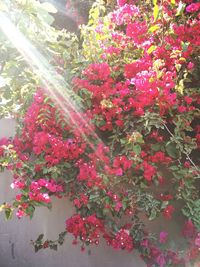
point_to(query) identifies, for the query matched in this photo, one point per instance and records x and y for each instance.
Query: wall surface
(15, 235)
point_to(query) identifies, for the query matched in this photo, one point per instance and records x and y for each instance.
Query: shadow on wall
(15, 235)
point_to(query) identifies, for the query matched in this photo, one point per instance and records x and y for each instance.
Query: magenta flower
(163, 237)
(194, 7)
(121, 2)
(190, 65)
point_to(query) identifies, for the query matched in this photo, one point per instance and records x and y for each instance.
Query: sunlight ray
(54, 83)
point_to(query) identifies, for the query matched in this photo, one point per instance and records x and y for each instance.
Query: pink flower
(197, 240)
(182, 109)
(121, 2)
(119, 172)
(4, 141)
(17, 184)
(163, 237)
(145, 243)
(194, 7)
(190, 66)
(18, 197)
(118, 206)
(137, 31)
(161, 260)
(20, 213)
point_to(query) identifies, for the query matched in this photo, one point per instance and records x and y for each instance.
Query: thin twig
(187, 155)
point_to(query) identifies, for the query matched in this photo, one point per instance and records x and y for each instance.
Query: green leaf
(185, 46)
(49, 206)
(153, 215)
(164, 204)
(92, 197)
(45, 16)
(137, 149)
(61, 238)
(143, 185)
(30, 211)
(37, 248)
(7, 94)
(172, 151)
(156, 147)
(174, 168)
(100, 123)
(54, 247)
(39, 239)
(8, 213)
(67, 165)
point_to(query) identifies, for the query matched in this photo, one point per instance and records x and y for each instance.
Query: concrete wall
(15, 235)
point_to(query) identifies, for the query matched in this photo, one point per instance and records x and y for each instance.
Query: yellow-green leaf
(22, 2)
(155, 12)
(185, 46)
(49, 7)
(180, 86)
(151, 49)
(3, 7)
(154, 28)
(180, 9)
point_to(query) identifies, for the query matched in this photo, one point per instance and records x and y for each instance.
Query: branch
(187, 155)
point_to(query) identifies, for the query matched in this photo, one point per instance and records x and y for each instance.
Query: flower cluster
(123, 240)
(88, 229)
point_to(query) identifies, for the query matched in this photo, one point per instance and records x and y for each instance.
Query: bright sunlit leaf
(156, 12)
(151, 49)
(180, 9)
(49, 7)
(154, 28)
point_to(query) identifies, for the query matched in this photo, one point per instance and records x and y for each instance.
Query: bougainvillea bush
(130, 154)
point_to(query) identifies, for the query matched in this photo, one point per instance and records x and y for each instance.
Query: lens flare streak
(54, 83)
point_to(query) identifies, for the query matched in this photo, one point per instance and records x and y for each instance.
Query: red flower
(168, 211)
(123, 240)
(149, 171)
(189, 230)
